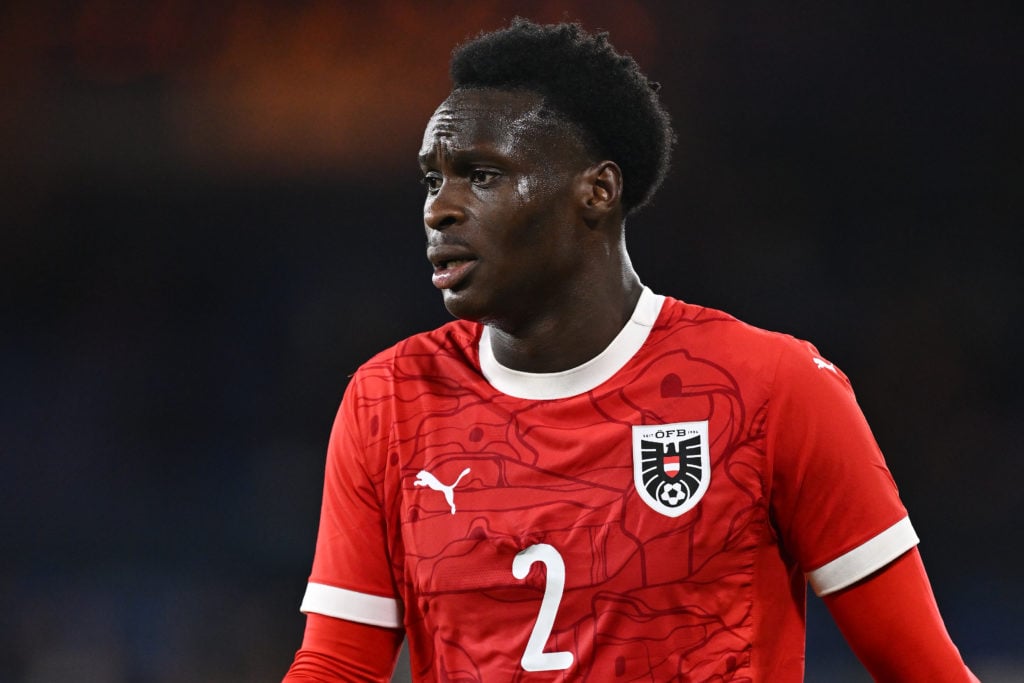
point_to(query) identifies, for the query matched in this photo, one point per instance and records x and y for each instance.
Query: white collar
(540, 386)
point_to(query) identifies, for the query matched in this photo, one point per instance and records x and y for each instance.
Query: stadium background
(209, 216)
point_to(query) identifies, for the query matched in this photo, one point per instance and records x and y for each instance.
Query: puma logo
(425, 478)
(824, 364)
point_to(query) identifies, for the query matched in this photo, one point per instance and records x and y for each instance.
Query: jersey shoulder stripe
(865, 559)
(337, 602)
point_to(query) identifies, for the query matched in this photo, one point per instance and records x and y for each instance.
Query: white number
(534, 658)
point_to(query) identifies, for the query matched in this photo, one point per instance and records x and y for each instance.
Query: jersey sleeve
(351, 576)
(834, 502)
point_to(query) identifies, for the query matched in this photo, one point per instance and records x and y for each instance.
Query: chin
(463, 306)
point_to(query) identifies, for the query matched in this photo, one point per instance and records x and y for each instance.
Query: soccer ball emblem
(672, 494)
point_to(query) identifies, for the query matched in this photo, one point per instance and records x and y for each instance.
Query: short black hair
(585, 81)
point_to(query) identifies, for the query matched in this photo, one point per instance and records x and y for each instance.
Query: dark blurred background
(210, 216)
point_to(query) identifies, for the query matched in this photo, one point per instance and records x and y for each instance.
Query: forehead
(505, 121)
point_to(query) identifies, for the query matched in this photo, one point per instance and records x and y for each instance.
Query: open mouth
(451, 273)
(451, 263)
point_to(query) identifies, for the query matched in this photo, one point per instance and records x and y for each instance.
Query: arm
(893, 625)
(838, 513)
(336, 650)
(353, 622)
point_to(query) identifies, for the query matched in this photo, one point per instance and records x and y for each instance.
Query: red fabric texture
(339, 650)
(892, 623)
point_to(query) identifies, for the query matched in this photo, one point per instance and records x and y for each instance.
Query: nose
(445, 208)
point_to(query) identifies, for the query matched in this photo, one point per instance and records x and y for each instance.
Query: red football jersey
(649, 515)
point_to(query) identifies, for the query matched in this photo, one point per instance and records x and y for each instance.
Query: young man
(580, 479)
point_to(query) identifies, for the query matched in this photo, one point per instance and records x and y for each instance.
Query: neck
(574, 330)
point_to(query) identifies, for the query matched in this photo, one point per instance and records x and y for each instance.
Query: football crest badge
(671, 465)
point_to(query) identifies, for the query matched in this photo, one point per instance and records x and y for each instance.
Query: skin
(525, 229)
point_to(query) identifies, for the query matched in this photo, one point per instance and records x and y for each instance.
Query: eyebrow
(462, 157)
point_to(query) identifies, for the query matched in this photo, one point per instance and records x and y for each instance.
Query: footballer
(578, 478)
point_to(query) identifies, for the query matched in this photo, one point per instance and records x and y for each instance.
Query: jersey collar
(540, 386)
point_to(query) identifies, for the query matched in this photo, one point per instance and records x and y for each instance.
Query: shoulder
(396, 378)
(677, 315)
(717, 334)
(454, 343)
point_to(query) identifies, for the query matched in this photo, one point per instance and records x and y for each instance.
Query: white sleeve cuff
(345, 604)
(865, 559)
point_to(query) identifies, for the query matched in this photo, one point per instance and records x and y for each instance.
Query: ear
(601, 186)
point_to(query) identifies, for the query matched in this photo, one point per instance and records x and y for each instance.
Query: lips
(452, 265)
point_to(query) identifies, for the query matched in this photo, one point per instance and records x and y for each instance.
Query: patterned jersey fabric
(654, 514)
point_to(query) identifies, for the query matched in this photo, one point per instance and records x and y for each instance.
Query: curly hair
(586, 82)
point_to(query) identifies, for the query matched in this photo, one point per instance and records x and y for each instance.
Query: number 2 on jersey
(534, 658)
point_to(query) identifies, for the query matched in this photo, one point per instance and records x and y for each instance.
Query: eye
(482, 176)
(432, 181)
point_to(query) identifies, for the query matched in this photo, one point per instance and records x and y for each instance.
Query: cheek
(546, 235)
(538, 221)
(541, 189)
